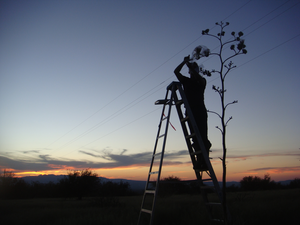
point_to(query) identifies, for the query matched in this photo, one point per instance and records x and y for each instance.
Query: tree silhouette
(110, 189)
(295, 183)
(171, 185)
(12, 187)
(78, 183)
(7, 183)
(237, 47)
(251, 183)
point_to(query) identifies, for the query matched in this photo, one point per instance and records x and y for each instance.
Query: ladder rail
(161, 160)
(210, 171)
(193, 133)
(198, 136)
(158, 136)
(156, 143)
(185, 131)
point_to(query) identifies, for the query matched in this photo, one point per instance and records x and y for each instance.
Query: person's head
(193, 69)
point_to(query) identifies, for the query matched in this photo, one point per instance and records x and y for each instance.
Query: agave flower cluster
(200, 51)
(241, 45)
(238, 48)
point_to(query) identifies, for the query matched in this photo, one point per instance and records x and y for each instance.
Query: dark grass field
(247, 208)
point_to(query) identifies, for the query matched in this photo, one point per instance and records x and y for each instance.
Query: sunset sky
(78, 82)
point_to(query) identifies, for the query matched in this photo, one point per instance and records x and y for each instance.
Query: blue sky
(78, 82)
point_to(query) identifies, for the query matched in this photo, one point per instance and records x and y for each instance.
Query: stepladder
(205, 176)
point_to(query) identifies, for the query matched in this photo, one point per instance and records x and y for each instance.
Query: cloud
(21, 165)
(30, 151)
(249, 156)
(88, 153)
(133, 159)
(278, 169)
(110, 160)
(176, 154)
(118, 160)
(46, 162)
(44, 157)
(124, 150)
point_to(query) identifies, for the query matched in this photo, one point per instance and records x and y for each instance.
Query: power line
(115, 130)
(208, 82)
(236, 10)
(266, 15)
(269, 50)
(126, 90)
(117, 113)
(140, 80)
(111, 117)
(271, 18)
(277, 46)
(261, 25)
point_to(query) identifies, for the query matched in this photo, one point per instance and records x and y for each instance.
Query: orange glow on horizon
(182, 171)
(63, 167)
(131, 167)
(40, 173)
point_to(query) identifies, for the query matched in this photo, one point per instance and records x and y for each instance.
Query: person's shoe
(200, 167)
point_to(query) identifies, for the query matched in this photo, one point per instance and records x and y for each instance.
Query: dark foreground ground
(247, 208)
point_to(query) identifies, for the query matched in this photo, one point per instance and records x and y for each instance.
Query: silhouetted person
(194, 90)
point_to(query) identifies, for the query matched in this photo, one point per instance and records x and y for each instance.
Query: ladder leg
(199, 154)
(151, 188)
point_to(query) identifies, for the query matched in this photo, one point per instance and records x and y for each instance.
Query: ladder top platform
(172, 84)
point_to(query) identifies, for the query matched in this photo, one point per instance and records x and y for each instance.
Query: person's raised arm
(179, 67)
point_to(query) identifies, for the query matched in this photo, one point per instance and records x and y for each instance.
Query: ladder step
(162, 102)
(196, 153)
(146, 211)
(156, 154)
(206, 179)
(184, 119)
(153, 172)
(179, 102)
(190, 136)
(161, 136)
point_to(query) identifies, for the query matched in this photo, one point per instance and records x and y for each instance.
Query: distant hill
(135, 185)
(43, 178)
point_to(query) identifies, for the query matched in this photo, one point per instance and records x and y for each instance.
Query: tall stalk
(237, 46)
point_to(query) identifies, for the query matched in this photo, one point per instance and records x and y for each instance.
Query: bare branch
(215, 113)
(229, 42)
(231, 103)
(228, 121)
(219, 129)
(236, 54)
(215, 71)
(229, 67)
(218, 90)
(213, 36)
